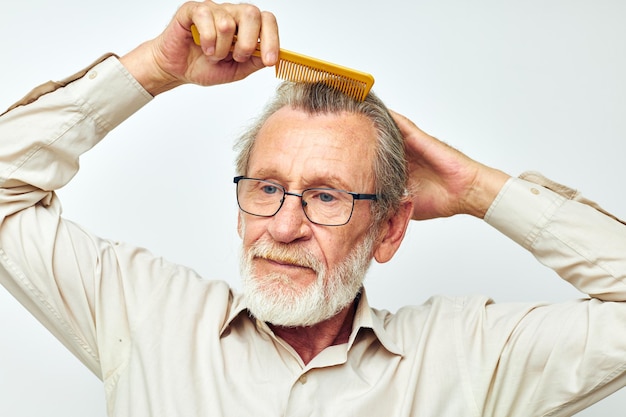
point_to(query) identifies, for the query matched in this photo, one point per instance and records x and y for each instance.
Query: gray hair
(390, 171)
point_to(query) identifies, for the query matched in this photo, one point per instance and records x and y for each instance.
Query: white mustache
(285, 253)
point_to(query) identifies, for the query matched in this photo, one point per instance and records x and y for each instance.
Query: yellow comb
(296, 67)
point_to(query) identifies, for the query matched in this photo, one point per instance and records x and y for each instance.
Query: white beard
(275, 299)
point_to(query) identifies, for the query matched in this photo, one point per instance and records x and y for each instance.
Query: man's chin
(284, 307)
(290, 308)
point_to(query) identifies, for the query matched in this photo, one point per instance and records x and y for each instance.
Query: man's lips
(283, 263)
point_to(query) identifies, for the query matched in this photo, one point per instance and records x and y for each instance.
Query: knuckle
(224, 24)
(250, 11)
(268, 17)
(200, 11)
(202, 8)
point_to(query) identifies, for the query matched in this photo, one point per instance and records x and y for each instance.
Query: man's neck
(309, 341)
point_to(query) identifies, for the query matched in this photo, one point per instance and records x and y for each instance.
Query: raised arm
(64, 275)
(41, 142)
(584, 244)
(532, 359)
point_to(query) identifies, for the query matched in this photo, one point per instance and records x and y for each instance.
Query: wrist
(484, 191)
(140, 63)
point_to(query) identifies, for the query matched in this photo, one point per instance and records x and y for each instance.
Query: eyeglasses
(323, 206)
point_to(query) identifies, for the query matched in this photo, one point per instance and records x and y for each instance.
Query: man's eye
(326, 197)
(269, 189)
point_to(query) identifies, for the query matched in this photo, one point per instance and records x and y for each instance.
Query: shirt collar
(237, 306)
(364, 318)
(368, 318)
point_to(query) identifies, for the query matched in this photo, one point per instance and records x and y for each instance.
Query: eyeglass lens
(321, 205)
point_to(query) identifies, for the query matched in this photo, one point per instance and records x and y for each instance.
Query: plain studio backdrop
(520, 85)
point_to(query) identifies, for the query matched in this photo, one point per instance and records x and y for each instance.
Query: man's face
(286, 257)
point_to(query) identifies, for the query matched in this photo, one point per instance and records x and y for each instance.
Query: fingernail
(210, 50)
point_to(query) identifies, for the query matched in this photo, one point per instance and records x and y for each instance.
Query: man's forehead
(309, 147)
(340, 128)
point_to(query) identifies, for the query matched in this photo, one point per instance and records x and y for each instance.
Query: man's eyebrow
(264, 173)
(329, 179)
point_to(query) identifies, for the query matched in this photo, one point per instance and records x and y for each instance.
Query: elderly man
(302, 338)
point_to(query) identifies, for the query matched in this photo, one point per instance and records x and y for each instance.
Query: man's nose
(290, 223)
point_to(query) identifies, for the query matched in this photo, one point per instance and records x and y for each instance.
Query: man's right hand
(173, 59)
(443, 181)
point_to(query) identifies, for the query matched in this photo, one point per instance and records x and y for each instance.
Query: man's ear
(240, 225)
(392, 233)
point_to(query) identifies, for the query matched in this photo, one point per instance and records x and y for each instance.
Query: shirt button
(93, 74)
(534, 191)
(302, 379)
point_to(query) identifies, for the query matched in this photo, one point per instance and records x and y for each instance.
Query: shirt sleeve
(584, 244)
(52, 266)
(553, 359)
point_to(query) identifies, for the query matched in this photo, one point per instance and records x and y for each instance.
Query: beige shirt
(167, 343)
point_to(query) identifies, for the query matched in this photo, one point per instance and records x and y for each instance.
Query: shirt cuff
(522, 209)
(109, 93)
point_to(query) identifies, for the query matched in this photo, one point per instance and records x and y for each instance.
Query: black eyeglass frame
(355, 196)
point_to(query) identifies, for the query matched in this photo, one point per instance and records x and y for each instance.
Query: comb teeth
(300, 68)
(293, 71)
(296, 67)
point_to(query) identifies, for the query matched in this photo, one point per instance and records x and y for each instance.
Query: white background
(535, 84)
